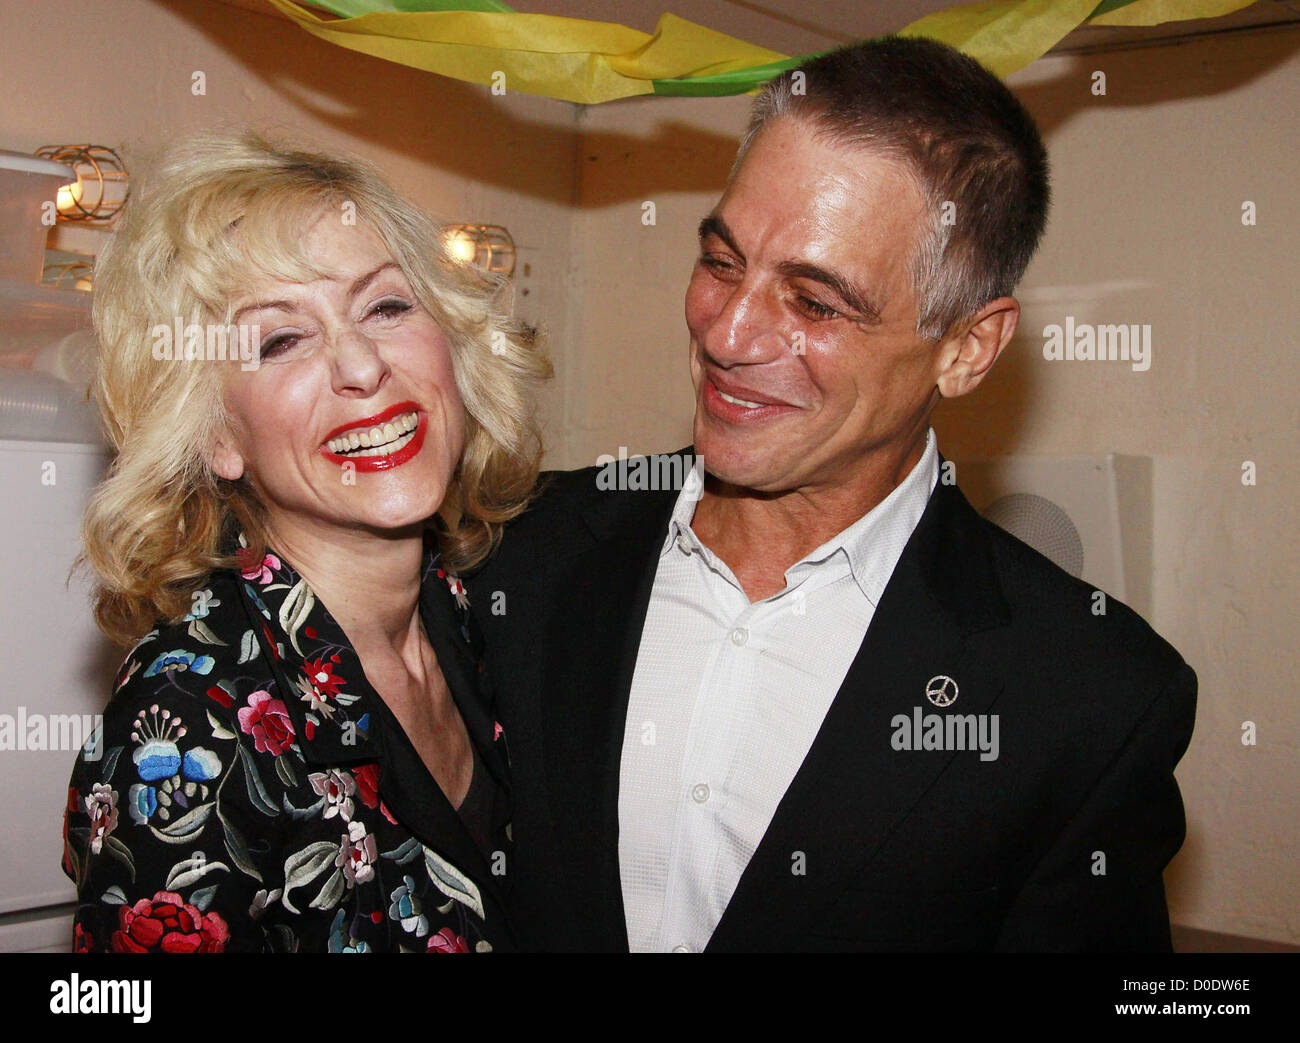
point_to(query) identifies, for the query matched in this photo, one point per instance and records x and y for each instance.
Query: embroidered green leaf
(407, 852)
(452, 882)
(202, 898)
(203, 632)
(293, 613)
(114, 896)
(304, 866)
(219, 730)
(256, 791)
(110, 761)
(122, 853)
(249, 649)
(185, 828)
(331, 893)
(74, 861)
(191, 870)
(237, 848)
(283, 769)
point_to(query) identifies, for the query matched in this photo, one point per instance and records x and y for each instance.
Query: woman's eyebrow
(358, 284)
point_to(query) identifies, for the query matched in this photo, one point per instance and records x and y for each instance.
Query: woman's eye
(390, 309)
(277, 345)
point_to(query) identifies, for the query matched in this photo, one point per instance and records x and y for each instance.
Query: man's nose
(358, 366)
(748, 329)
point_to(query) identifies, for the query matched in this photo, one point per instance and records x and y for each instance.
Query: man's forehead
(800, 196)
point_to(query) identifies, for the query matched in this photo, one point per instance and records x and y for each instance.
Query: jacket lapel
(942, 591)
(591, 651)
(341, 720)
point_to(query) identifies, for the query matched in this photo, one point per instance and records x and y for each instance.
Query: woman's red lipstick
(369, 463)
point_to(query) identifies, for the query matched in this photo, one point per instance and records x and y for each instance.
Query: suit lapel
(591, 651)
(854, 787)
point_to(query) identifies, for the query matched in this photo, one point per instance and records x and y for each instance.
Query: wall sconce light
(487, 246)
(101, 186)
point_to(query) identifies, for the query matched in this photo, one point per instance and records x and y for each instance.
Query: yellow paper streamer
(1153, 12)
(567, 58)
(576, 60)
(1004, 36)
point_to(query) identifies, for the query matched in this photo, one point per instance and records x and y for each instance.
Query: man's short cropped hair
(963, 135)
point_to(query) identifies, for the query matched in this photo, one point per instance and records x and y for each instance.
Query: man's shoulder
(1067, 617)
(608, 500)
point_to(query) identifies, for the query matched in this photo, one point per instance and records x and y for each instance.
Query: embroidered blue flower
(157, 759)
(341, 942)
(200, 765)
(405, 908)
(142, 802)
(179, 659)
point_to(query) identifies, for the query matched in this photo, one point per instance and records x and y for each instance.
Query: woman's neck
(370, 582)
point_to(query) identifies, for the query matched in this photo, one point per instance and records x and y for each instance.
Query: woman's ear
(225, 459)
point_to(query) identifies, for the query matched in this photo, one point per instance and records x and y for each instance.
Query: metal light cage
(487, 246)
(101, 179)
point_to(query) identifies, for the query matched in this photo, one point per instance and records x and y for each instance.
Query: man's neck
(761, 535)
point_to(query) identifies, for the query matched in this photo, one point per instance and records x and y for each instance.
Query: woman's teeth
(739, 401)
(377, 441)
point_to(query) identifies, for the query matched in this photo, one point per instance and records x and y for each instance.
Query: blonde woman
(319, 420)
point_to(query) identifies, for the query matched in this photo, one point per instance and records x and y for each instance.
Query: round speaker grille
(1041, 524)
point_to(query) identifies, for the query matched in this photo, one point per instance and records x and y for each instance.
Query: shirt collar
(872, 544)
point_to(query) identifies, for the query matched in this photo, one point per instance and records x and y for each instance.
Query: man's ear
(977, 345)
(225, 459)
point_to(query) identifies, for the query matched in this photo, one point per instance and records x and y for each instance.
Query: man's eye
(815, 309)
(717, 265)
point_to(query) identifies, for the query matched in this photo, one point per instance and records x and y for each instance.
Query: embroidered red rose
(266, 719)
(254, 570)
(447, 940)
(165, 923)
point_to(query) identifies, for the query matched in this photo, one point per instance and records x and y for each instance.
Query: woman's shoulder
(188, 657)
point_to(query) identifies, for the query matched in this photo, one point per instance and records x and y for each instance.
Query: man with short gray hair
(814, 701)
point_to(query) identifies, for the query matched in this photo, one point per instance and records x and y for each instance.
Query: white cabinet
(53, 663)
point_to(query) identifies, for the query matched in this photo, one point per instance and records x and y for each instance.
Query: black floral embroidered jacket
(252, 792)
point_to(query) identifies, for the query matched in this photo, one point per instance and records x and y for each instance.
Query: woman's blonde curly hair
(160, 523)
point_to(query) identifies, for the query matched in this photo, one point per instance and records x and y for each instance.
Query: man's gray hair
(973, 149)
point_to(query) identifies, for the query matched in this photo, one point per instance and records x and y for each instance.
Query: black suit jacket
(1058, 844)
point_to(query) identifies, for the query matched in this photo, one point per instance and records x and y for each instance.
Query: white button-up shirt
(726, 700)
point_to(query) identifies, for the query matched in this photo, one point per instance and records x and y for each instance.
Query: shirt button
(681, 948)
(683, 544)
(700, 792)
(739, 636)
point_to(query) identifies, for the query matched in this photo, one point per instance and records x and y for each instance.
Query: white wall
(1146, 228)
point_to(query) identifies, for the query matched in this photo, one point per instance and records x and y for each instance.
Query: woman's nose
(358, 365)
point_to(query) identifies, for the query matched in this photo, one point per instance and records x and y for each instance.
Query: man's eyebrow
(358, 284)
(715, 225)
(842, 288)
